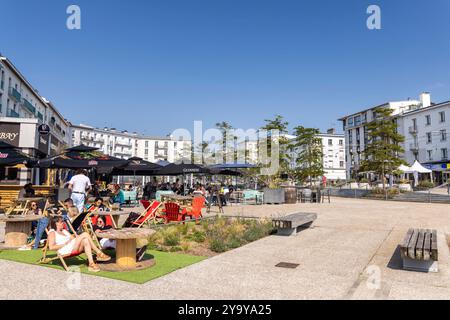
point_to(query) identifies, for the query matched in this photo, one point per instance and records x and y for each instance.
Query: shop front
(441, 171)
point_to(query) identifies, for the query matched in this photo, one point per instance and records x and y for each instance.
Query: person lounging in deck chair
(60, 240)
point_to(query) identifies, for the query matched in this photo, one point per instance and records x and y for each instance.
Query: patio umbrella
(174, 169)
(11, 156)
(82, 157)
(137, 167)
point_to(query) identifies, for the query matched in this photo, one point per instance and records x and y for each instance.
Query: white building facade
(124, 144)
(22, 111)
(333, 145)
(424, 125)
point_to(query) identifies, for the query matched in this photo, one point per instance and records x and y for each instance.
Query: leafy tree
(381, 155)
(310, 154)
(282, 141)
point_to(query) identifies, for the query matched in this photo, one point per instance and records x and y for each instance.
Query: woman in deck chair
(64, 243)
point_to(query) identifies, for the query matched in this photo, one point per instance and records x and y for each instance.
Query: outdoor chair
(61, 258)
(172, 212)
(196, 210)
(150, 213)
(306, 195)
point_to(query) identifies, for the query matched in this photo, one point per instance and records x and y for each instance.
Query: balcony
(414, 147)
(412, 130)
(13, 114)
(13, 93)
(27, 104)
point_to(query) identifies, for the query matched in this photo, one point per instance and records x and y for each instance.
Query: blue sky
(154, 66)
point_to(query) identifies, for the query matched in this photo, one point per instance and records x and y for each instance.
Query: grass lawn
(166, 262)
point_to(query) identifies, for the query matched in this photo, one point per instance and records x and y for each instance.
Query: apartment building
(124, 144)
(427, 137)
(333, 145)
(333, 151)
(22, 111)
(424, 125)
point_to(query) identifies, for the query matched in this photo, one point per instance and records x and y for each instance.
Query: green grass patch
(165, 263)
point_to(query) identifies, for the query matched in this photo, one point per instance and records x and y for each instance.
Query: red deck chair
(196, 210)
(150, 212)
(61, 258)
(172, 212)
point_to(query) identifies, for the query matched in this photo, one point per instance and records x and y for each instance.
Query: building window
(350, 137)
(357, 120)
(428, 120)
(330, 142)
(444, 153)
(414, 122)
(146, 144)
(341, 142)
(430, 154)
(350, 122)
(442, 116)
(443, 135)
(341, 164)
(429, 137)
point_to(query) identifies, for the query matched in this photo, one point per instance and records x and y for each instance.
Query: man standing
(79, 185)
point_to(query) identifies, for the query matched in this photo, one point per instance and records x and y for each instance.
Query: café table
(17, 229)
(125, 246)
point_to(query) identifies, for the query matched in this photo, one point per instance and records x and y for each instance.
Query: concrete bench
(419, 250)
(293, 223)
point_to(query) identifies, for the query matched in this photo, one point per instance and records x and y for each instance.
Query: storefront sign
(43, 144)
(9, 133)
(44, 129)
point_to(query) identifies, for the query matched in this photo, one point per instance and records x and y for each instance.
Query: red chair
(150, 212)
(172, 212)
(196, 210)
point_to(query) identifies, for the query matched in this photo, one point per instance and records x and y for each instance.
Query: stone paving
(350, 253)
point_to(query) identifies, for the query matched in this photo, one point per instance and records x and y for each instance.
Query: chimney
(425, 99)
(331, 131)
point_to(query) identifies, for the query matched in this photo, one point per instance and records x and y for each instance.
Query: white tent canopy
(417, 167)
(405, 169)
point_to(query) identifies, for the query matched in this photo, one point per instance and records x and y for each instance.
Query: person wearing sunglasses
(34, 210)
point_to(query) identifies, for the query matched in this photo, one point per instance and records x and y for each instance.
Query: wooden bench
(293, 223)
(419, 250)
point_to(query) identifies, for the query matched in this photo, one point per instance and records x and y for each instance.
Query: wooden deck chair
(196, 210)
(45, 251)
(89, 228)
(172, 212)
(150, 213)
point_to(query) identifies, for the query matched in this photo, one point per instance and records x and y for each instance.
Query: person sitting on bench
(60, 240)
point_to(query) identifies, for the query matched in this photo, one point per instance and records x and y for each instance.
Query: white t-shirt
(80, 183)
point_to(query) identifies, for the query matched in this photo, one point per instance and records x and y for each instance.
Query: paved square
(349, 253)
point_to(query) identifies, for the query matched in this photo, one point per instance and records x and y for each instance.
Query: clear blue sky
(154, 66)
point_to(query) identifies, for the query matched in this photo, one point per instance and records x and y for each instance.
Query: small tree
(381, 155)
(309, 162)
(283, 142)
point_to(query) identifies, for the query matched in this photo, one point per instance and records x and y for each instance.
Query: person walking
(79, 185)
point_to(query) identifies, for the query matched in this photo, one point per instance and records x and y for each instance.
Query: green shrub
(176, 249)
(197, 236)
(426, 184)
(171, 239)
(218, 245)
